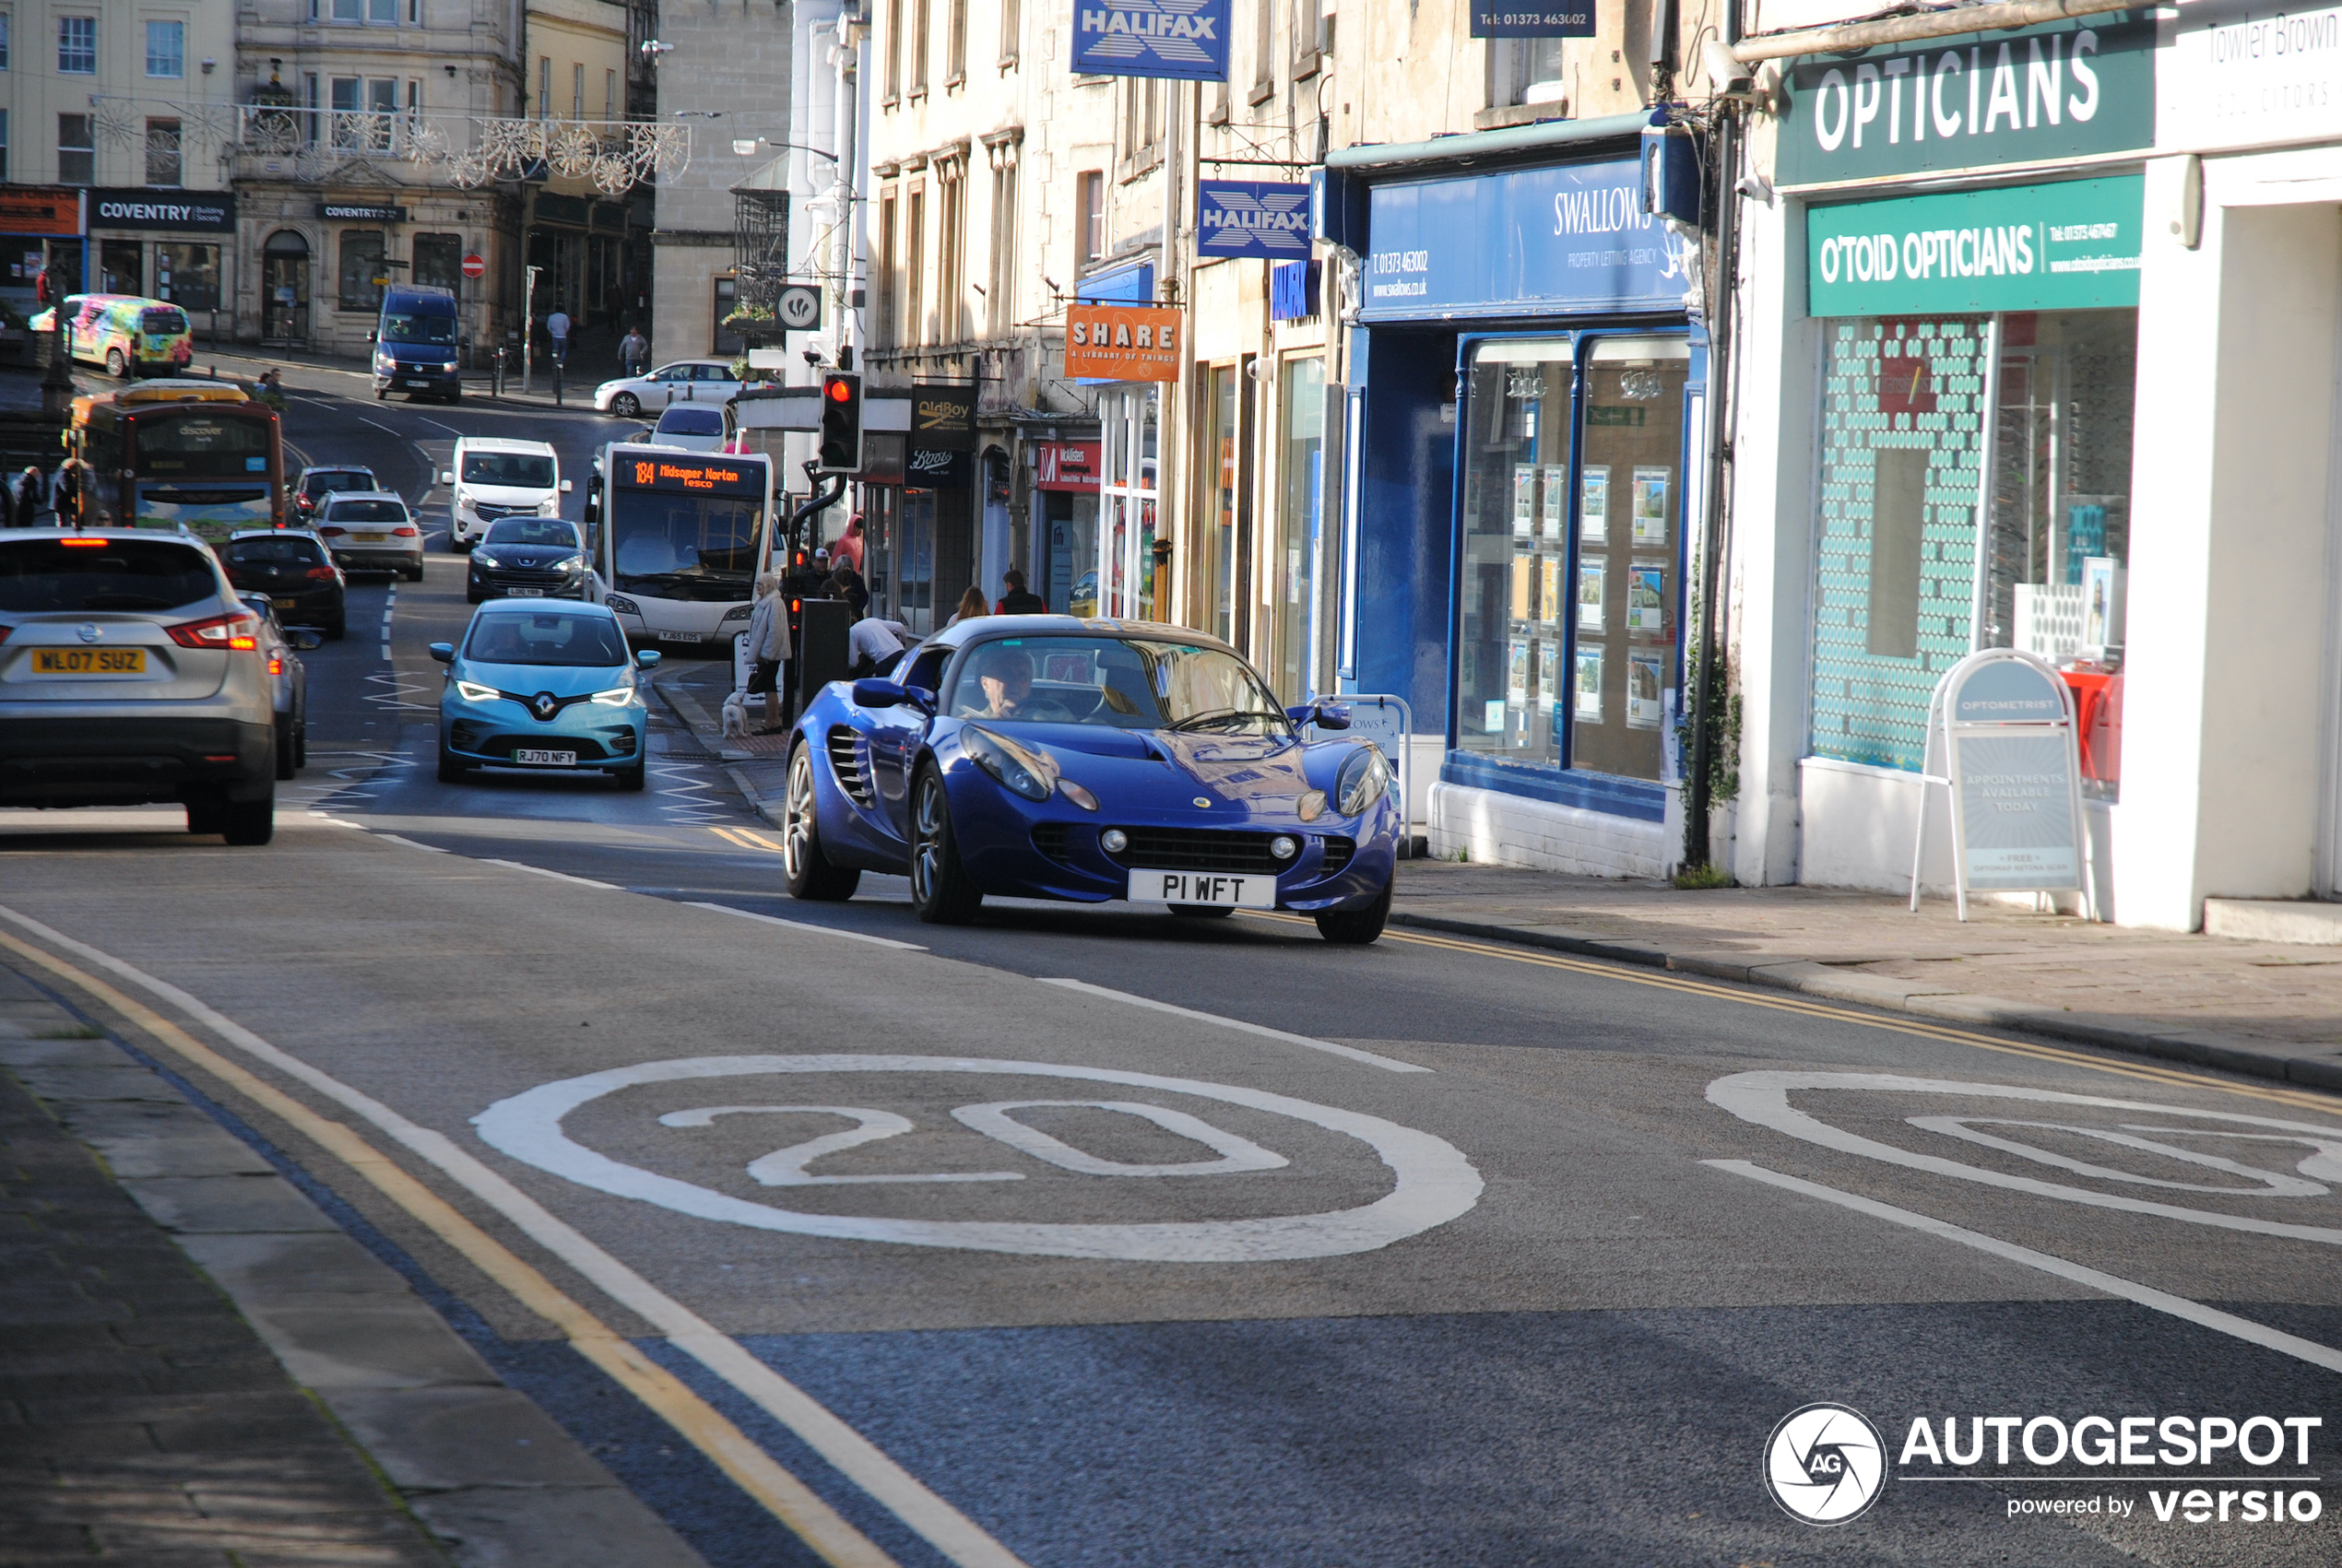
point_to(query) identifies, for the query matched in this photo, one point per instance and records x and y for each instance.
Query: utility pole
(528, 319)
(842, 332)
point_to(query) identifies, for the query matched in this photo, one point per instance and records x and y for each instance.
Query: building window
(1264, 49)
(544, 86)
(1089, 214)
(894, 49)
(725, 299)
(609, 95)
(381, 13)
(163, 152)
(1288, 580)
(187, 276)
(1142, 103)
(363, 112)
(1126, 571)
(414, 13)
(77, 154)
(4, 145)
(1223, 461)
(956, 45)
(439, 261)
(3, 40)
(77, 46)
(914, 269)
(167, 49)
(1527, 70)
(999, 293)
(577, 92)
(1012, 31)
(920, 27)
(951, 264)
(884, 326)
(361, 263)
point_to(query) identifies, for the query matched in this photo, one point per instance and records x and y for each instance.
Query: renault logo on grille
(545, 705)
(90, 631)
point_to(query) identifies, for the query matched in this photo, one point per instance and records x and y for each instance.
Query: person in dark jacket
(27, 496)
(1019, 599)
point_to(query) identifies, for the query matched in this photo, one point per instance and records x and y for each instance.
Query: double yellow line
(1667, 980)
(747, 839)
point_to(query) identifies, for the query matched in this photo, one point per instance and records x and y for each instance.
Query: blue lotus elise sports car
(1050, 757)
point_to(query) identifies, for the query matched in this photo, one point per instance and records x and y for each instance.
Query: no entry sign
(474, 267)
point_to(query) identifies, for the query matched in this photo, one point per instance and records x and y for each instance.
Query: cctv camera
(1726, 73)
(1756, 188)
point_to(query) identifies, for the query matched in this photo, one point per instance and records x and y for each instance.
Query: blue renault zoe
(546, 687)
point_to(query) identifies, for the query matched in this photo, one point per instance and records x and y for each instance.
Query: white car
(685, 381)
(694, 426)
(371, 531)
(493, 479)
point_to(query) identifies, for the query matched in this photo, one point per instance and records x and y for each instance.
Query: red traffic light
(840, 391)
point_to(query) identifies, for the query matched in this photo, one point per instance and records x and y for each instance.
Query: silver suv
(131, 672)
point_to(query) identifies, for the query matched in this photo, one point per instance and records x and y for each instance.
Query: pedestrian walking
(633, 350)
(557, 329)
(846, 584)
(764, 680)
(971, 605)
(30, 494)
(848, 548)
(1019, 599)
(69, 490)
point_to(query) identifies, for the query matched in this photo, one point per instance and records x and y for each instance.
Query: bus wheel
(117, 365)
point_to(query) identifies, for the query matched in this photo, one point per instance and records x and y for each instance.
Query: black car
(315, 484)
(529, 558)
(295, 570)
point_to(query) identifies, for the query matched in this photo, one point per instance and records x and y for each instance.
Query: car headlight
(462, 500)
(548, 508)
(1311, 806)
(473, 691)
(573, 563)
(1027, 772)
(1364, 776)
(618, 604)
(617, 696)
(449, 367)
(741, 612)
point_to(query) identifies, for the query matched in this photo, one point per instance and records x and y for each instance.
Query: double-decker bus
(201, 455)
(679, 537)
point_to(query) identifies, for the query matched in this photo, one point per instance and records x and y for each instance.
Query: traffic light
(841, 423)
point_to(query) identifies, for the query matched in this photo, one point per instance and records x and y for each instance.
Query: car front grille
(475, 739)
(852, 769)
(522, 577)
(1199, 849)
(488, 513)
(1338, 854)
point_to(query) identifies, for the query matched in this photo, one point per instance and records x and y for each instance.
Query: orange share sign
(1122, 342)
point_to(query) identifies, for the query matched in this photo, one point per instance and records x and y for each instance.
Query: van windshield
(418, 329)
(522, 470)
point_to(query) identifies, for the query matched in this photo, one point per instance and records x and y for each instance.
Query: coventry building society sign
(1246, 217)
(1183, 39)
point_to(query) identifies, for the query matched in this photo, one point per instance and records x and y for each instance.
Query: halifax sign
(1248, 218)
(1186, 40)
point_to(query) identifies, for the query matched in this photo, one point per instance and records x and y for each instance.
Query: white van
(493, 479)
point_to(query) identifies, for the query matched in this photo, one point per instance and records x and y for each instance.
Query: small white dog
(736, 714)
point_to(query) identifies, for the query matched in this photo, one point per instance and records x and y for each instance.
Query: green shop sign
(2070, 244)
(2064, 90)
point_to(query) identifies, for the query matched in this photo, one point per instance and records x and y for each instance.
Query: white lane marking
(1237, 1154)
(1763, 1098)
(2114, 1285)
(803, 926)
(556, 876)
(384, 429)
(1387, 1063)
(410, 843)
(1433, 1180)
(951, 1533)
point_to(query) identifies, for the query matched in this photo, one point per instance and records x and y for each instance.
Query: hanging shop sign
(2004, 723)
(40, 209)
(943, 418)
(2069, 90)
(2238, 80)
(1122, 342)
(1494, 19)
(1529, 241)
(352, 213)
(173, 212)
(2069, 244)
(1185, 40)
(1066, 465)
(936, 470)
(1252, 218)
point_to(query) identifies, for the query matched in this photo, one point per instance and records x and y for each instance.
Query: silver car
(371, 531)
(685, 381)
(288, 679)
(130, 672)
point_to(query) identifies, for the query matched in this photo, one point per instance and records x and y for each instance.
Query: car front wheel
(626, 406)
(809, 874)
(1356, 928)
(116, 365)
(942, 893)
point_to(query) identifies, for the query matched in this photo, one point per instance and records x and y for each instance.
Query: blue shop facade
(1528, 438)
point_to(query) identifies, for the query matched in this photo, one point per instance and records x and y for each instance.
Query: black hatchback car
(315, 484)
(295, 570)
(529, 558)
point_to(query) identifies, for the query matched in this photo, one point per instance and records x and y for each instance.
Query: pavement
(2267, 1009)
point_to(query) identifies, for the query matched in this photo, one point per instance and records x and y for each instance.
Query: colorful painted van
(131, 336)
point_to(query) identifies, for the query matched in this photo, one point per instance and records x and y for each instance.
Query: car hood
(1137, 769)
(562, 681)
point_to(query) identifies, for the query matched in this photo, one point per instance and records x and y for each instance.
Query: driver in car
(1007, 679)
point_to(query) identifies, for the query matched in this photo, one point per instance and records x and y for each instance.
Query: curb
(692, 712)
(2177, 1044)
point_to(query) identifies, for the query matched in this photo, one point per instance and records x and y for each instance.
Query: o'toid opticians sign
(2065, 91)
(2070, 244)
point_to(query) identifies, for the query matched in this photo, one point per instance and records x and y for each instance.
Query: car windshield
(547, 637)
(418, 329)
(366, 512)
(69, 576)
(525, 470)
(1124, 682)
(533, 531)
(318, 481)
(265, 553)
(691, 421)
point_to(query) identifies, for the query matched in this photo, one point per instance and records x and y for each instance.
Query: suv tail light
(405, 533)
(223, 631)
(332, 533)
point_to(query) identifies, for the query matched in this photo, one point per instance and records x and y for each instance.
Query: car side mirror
(1322, 713)
(307, 641)
(568, 486)
(646, 658)
(891, 694)
(444, 651)
(446, 477)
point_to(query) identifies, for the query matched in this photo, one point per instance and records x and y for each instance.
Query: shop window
(721, 339)
(77, 46)
(163, 152)
(167, 49)
(361, 264)
(1223, 461)
(439, 261)
(1125, 569)
(1513, 580)
(122, 266)
(76, 153)
(1289, 586)
(187, 275)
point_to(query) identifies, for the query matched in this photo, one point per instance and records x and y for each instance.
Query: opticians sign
(2070, 89)
(1185, 40)
(2070, 244)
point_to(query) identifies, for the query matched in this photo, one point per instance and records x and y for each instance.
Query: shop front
(1127, 351)
(168, 244)
(1065, 523)
(1528, 406)
(39, 225)
(918, 508)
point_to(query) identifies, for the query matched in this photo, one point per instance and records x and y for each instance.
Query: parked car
(289, 678)
(372, 531)
(492, 478)
(128, 334)
(694, 426)
(685, 381)
(130, 672)
(315, 484)
(297, 573)
(1042, 756)
(551, 687)
(530, 557)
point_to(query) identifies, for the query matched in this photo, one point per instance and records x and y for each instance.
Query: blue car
(1050, 757)
(543, 686)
